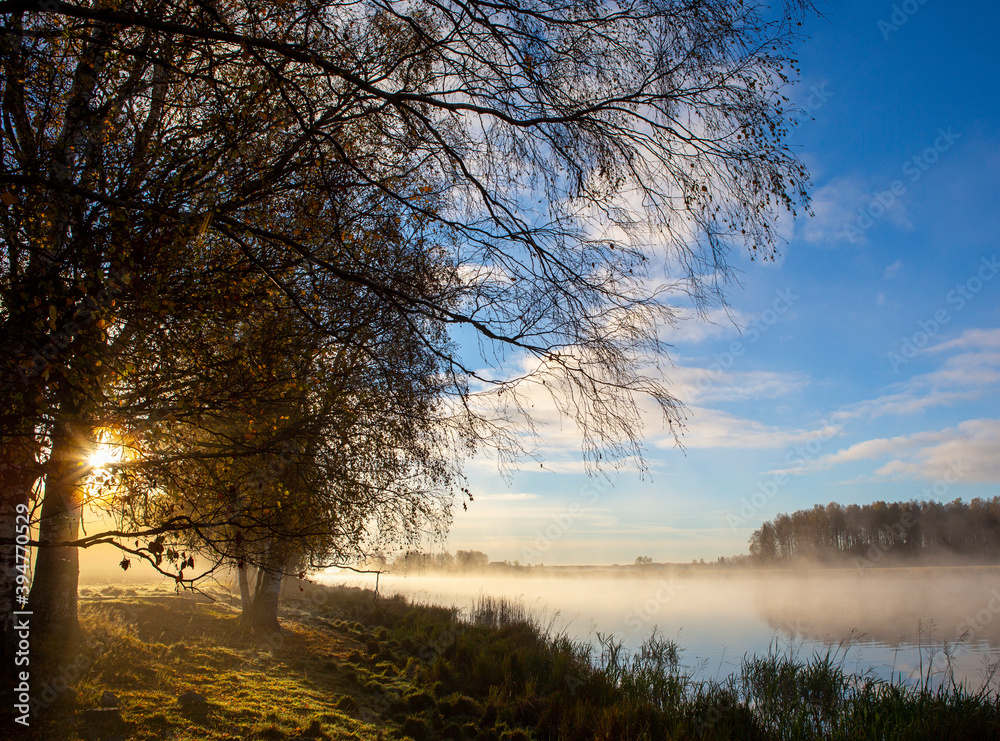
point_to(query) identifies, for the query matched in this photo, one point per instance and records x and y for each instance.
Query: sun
(104, 456)
(103, 463)
(108, 451)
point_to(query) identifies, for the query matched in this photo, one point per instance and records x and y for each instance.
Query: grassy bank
(349, 666)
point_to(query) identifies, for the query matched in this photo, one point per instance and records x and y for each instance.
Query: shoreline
(348, 664)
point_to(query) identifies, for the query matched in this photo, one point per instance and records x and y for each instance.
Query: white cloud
(908, 402)
(892, 271)
(691, 327)
(738, 386)
(970, 449)
(867, 450)
(971, 339)
(556, 440)
(970, 368)
(711, 428)
(974, 370)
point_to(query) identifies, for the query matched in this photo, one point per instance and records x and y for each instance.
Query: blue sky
(864, 364)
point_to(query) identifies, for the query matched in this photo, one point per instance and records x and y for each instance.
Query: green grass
(350, 666)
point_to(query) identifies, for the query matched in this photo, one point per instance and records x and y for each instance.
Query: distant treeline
(415, 561)
(870, 533)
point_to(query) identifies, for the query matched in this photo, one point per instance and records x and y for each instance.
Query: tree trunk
(244, 577)
(53, 599)
(263, 612)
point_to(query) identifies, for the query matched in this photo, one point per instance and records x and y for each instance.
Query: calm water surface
(895, 622)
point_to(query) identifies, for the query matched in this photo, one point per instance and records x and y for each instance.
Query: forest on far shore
(883, 533)
(925, 533)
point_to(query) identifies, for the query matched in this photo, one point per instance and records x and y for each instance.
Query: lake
(891, 622)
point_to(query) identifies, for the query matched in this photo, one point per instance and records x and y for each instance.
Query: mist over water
(891, 622)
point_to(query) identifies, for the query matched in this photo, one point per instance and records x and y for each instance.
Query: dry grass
(149, 647)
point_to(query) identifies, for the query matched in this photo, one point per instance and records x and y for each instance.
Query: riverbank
(154, 665)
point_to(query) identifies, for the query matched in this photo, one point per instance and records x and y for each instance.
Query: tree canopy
(549, 145)
(543, 176)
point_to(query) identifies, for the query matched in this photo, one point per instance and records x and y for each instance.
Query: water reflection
(948, 603)
(907, 623)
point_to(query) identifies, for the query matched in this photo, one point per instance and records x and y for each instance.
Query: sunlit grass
(151, 648)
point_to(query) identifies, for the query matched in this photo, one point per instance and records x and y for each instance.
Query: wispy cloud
(837, 204)
(866, 450)
(969, 369)
(903, 403)
(892, 271)
(711, 428)
(972, 449)
(971, 339)
(692, 327)
(717, 386)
